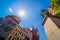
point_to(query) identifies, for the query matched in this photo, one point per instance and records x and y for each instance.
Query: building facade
(35, 35)
(10, 29)
(28, 34)
(32, 34)
(51, 25)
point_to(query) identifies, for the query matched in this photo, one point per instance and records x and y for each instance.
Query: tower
(51, 26)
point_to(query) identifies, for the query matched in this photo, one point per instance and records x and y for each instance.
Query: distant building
(35, 35)
(51, 25)
(32, 34)
(28, 34)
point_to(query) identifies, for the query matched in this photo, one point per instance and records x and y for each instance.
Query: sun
(21, 13)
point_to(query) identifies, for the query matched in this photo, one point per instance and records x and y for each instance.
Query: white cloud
(10, 9)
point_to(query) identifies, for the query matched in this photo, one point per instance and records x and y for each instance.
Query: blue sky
(32, 15)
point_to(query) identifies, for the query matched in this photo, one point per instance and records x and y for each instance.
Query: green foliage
(55, 5)
(58, 12)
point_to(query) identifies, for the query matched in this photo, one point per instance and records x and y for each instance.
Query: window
(15, 34)
(11, 23)
(18, 38)
(17, 30)
(7, 27)
(13, 38)
(10, 37)
(20, 32)
(22, 35)
(26, 38)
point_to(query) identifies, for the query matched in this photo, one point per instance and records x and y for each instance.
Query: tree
(58, 12)
(55, 4)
